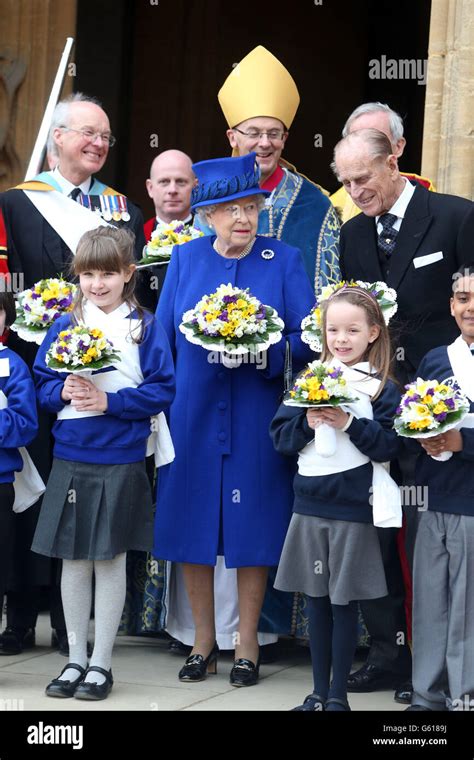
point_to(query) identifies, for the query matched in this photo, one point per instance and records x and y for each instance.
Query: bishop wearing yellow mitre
(259, 100)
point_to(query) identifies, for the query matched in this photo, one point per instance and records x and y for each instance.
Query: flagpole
(36, 160)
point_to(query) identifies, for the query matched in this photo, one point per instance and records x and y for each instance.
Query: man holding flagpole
(44, 220)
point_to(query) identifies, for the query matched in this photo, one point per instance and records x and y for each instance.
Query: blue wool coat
(227, 476)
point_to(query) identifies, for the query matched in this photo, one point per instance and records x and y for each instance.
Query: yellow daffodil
(420, 424)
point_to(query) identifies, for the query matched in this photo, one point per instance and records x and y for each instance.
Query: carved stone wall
(448, 142)
(32, 38)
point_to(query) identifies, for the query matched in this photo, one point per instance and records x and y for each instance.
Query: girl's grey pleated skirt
(332, 558)
(95, 511)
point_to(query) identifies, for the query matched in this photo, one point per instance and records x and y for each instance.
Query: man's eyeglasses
(91, 136)
(274, 135)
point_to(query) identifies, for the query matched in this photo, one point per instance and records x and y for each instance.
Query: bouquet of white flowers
(81, 349)
(429, 408)
(164, 238)
(311, 325)
(233, 321)
(321, 384)
(40, 306)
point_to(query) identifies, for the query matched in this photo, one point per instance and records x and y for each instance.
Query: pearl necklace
(241, 255)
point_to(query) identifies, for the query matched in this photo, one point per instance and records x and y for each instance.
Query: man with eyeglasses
(47, 213)
(259, 100)
(44, 220)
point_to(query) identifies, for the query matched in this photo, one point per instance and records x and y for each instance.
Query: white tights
(76, 593)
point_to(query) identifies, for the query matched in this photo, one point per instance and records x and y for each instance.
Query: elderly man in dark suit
(44, 219)
(413, 240)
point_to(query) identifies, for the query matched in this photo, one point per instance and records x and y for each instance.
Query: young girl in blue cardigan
(98, 503)
(331, 552)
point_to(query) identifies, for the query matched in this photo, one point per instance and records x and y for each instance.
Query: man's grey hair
(60, 116)
(394, 119)
(203, 212)
(377, 142)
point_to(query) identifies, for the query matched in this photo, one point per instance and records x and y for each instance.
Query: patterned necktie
(74, 194)
(388, 236)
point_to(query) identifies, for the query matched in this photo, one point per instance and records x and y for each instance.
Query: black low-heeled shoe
(244, 672)
(196, 667)
(59, 688)
(16, 640)
(312, 703)
(95, 691)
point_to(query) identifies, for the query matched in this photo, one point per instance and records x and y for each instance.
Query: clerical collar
(67, 186)
(188, 220)
(273, 180)
(400, 206)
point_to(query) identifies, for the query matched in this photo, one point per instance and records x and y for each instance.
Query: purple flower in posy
(62, 350)
(26, 307)
(398, 410)
(223, 316)
(229, 299)
(45, 318)
(35, 295)
(65, 302)
(450, 402)
(441, 416)
(55, 316)
(51, 303)
(179, 228)
(335, 373)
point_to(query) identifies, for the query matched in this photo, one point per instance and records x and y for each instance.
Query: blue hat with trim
(225, 179)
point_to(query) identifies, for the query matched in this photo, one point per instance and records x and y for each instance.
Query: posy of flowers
(320, 384)
(164, 237)
(232, 320)
(40, 306)
(429, 408)
(311, 325)
(81, 348)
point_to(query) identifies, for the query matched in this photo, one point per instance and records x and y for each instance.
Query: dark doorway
(157, 65)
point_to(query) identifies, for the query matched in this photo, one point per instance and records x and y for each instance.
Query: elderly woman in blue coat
(228, 492)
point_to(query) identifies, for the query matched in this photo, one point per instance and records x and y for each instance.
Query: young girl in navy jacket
(98, 503)
(18, 427)
(332, 551)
